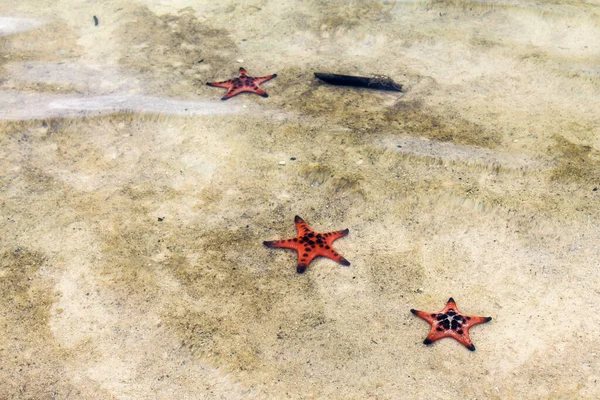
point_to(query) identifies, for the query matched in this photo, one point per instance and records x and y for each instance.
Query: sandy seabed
(134, 203)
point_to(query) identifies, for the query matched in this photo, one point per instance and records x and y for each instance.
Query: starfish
(310, 244)
(450, 323)
(244, 83)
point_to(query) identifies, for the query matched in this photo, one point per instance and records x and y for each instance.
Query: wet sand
(134, 202)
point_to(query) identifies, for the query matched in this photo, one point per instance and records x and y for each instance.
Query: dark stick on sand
(376, 82)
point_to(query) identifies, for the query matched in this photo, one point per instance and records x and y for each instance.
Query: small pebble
(281, 162)
(161, 219)
(293, 158)
(419, 290)
(240, 61)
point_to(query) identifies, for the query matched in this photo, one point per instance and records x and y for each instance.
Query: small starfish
(244, 83)
(310, 244)
(450, 323)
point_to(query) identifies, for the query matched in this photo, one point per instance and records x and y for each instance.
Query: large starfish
(450, 323)
(310, 244)
(243, 83)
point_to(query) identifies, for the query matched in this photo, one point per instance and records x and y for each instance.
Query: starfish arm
(301, 226)
(223, 84)
(330, 237)
(259, 91)
(301, 268)
(472, 320)
(304, 259)
(343, 261)
(450, 306)
(235, 90)
(332, 255)
(463, 338)
(433, 336)
(282, 244)
(263, 79)
(429, 317)
(232, 92)
(242, 72)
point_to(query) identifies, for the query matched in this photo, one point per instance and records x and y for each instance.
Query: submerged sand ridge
(134, 202)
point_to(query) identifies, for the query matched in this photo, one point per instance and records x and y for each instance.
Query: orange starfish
(450, 323)
(244, 83)
(310, 244)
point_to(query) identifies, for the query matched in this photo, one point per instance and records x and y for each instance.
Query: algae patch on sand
(576, 162)
(174, 50)
(32, 361)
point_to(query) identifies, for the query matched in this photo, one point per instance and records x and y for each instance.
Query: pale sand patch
(11, 25)
(25, 106)
(448, 152)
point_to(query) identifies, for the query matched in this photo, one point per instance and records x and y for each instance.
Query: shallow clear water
(134, 202)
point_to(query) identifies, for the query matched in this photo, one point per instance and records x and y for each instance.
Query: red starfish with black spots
(450, 323)
(243, 83)
(310, 244)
